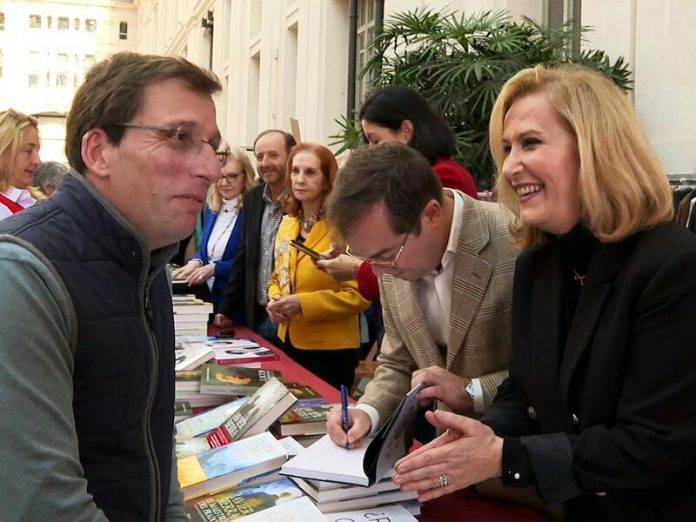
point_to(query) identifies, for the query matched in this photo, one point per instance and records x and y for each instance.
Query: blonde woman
(598, 413)
(223, 222)
(19, 158)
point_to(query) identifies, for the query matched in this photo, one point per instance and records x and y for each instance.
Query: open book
(324, 460)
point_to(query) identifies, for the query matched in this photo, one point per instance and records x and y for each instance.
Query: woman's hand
(282, 308)
(442, 385)
(201, 275)
(184, 271)
(467, 453)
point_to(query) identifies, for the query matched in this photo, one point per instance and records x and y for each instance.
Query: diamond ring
(442, 480)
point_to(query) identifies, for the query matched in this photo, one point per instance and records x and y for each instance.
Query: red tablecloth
(290, 370)
(461, 506)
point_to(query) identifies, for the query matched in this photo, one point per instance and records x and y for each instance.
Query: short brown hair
(288, 138)
(113, 93)
(327, 163)
(394, 173)
(621, 185)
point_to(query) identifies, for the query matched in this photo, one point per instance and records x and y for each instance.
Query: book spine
(219, 437)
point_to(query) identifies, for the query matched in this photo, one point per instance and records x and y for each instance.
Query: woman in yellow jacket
(317, 315)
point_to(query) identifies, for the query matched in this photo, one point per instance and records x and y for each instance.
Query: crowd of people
(549, 329)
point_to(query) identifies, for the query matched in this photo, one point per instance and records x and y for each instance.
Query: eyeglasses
(230, 178)
(384, 263)
(181, 139)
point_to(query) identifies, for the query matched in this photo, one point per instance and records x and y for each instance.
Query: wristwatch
(471, 390)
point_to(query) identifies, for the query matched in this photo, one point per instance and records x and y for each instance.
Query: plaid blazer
(479, 330)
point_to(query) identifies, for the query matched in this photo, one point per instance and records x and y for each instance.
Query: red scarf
(14, 207)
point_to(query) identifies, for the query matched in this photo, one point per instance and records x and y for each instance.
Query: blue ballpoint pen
(344, 411)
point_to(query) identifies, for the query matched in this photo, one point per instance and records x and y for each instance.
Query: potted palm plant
(460, 63)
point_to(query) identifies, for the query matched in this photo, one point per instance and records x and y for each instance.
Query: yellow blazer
(329, 319)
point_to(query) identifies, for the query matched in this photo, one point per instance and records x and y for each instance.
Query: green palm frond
(460, 62)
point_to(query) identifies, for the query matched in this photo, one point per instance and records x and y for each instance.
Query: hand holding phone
(305, 249)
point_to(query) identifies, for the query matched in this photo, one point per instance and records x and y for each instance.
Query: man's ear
(96, 150)
(432, 213)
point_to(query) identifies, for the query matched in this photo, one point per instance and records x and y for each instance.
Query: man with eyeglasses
(87, 351)
(247, 288)
(445, 264)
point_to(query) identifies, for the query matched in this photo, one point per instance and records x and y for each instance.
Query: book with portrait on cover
(326, 461)
(303, 420)
(234, 380)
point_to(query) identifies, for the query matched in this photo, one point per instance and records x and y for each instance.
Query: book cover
(389, 513)
(260, 411)
(182, 410)
(190, 357)
(305, 394)
(243, 354)
(373, 461)
(221, 468)
(188, 380)
(303, 420)
(185, 446)
(241, 501)
(209, 420)
(296, 510)
(234, 380)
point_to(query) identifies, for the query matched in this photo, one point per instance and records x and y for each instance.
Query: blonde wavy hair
(621, 185)
(214, 198)
(12, 126)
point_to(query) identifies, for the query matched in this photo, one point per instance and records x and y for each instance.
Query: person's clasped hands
(281, 308)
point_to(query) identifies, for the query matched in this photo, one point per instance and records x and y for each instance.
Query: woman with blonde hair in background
(317, 315)
(598, 413)
(223, 222)
(19, 158)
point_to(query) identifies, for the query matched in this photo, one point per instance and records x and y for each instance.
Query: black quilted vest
(123, 379)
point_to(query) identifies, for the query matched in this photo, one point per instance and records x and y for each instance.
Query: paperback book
(209, 420)
(241, 501)
(305, 394)
(324, 460)
(322, 492)
(221, 468)
(372, 501)
(189, 357)
(303, 420)
(296, 510)
(254, 416)
(234, 380)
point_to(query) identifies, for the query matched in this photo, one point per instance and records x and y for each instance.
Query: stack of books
(331, 497)
(188, 392)
(191, 315)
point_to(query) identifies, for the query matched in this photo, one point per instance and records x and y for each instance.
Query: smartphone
(302, 248)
